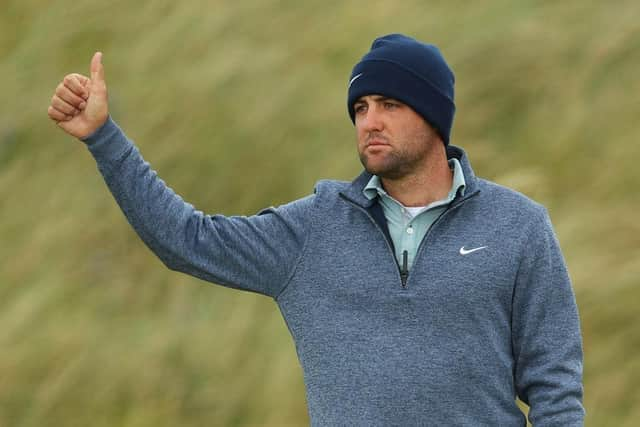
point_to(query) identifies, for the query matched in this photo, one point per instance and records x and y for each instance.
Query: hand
(80, 105)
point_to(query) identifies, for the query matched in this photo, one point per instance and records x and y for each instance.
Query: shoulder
(330, 195)
(331, 186)
(329, 190)
(511, 217)
(507, 209)
(323, 191)
(507, 199)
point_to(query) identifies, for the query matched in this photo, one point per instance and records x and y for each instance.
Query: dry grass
(221, 95)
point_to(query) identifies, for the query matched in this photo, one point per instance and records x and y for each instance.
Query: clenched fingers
(63, 106)
(70, 97)
(77, 84)
(57, 115)
(73, 90)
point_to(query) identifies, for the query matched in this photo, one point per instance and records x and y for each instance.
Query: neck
(426, 185)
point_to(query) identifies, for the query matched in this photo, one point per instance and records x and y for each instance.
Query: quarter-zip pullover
(486, 315)
(406, 228)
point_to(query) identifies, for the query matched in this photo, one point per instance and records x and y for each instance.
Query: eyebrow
(376, 98)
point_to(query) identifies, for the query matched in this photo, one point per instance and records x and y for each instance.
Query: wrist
(94, 134)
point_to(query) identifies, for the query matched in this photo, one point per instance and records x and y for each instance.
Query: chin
(383, 171)
(387, 170)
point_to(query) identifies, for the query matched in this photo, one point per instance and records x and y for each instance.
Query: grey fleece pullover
(451, 344)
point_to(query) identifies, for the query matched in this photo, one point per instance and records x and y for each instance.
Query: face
(393, 140)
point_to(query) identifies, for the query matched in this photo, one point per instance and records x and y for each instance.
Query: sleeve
(546, 336)
(256, 253)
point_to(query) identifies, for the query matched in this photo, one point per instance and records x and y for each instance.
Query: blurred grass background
(240, 105)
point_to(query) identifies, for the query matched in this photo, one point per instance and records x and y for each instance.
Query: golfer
(417, 294)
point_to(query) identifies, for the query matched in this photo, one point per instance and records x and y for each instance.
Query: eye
(360, 108)
(388, 105)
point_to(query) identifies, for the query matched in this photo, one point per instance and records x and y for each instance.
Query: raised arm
(257, 253)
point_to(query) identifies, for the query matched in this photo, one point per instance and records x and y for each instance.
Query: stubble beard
(396, 164)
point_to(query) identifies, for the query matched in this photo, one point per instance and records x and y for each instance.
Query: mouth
(376, 143)
(376, 139)
(375, 148)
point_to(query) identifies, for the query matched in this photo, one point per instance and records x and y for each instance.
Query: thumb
(97, 69)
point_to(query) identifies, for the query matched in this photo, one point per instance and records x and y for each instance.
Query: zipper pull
(404, 271)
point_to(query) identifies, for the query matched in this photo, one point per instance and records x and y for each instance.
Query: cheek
(360, 135)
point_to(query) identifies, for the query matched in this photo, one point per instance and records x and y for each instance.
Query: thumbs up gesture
(80, 105)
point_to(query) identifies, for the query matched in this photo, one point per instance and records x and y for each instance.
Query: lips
(377, 147)
(376, 143)
(376, 139)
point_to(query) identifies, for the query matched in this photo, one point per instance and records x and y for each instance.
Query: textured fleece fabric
(454, 346)
(399, 219)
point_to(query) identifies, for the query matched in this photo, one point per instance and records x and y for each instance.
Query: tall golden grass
(241, 105)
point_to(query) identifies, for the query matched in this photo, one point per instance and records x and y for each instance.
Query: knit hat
(410, 71)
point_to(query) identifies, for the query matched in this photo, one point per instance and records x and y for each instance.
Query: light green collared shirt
(408, 226)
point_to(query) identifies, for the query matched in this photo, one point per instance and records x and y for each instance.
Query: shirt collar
(374, 186)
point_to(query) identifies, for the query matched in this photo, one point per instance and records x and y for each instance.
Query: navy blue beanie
(412, 72)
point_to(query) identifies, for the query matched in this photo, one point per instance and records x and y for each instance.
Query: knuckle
(53, 113)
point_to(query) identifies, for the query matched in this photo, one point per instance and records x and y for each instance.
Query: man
(418, 294)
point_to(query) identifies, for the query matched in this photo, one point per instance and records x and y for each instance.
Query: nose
(371, 120)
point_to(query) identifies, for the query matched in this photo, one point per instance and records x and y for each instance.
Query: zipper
(403, 276)
(403, 271)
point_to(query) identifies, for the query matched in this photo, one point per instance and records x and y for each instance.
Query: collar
(355, 191)
(374, 187)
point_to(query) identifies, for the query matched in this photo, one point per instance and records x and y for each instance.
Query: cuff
(108, 142)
